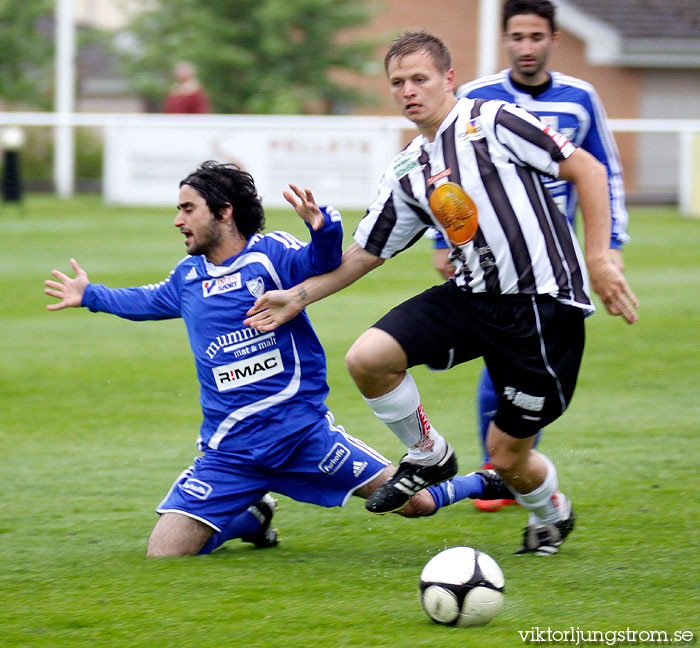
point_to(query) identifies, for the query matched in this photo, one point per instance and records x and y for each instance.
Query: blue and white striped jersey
(573, 108)
(256, 388)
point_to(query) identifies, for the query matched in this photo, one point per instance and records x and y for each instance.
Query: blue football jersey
(256, 387)
(572, 107)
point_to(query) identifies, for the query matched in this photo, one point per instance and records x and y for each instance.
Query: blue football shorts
(320, 465)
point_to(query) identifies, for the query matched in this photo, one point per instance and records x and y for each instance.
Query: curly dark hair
(222, 184)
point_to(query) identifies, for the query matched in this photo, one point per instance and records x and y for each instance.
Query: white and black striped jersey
(572, 107)
(496, 151)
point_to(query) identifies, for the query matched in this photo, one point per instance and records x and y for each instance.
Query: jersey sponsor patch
(455, 211)
(250, 370)
(199, 489)
(221, 285)
(405, 162)
(439, 176)
(472, 130)
(337, 456)
(233, 340)
(523, 400)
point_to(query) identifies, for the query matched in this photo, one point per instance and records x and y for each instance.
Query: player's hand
(273, 309)
(69, 291)
(612, 288)
(305, 205)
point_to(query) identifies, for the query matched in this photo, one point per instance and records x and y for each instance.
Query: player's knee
(374, 356)
(152, 552)
(177, 535)
(504, 459)
(360, 362)
(509, 460)
(352, 361)
(503, 463)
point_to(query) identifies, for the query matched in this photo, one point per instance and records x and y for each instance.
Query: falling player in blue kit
(570, 106)
(265, 425)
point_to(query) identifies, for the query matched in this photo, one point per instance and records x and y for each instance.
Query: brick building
(643, 57)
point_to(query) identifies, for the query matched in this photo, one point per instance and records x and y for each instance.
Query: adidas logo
(358, 467)
(192, 274)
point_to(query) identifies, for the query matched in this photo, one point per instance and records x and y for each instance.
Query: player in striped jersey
(266, 426)
(519, 295)
(570, 106)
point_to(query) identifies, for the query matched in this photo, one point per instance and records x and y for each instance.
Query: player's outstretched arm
(305, 205)
(276, 307)
(69, 291)
(607, 279)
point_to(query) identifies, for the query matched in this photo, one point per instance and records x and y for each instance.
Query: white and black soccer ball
(462, 586)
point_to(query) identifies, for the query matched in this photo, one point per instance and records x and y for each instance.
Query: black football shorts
(531, 344)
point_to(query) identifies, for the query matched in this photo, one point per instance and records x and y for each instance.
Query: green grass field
(99, 415)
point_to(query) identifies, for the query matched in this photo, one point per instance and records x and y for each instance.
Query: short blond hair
(420, 41)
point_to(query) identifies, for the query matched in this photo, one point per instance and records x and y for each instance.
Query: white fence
(340, 157)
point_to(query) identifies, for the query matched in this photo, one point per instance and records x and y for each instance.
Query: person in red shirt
(187, 95)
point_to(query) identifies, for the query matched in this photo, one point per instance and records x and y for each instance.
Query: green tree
(26, 44)
(253, 56)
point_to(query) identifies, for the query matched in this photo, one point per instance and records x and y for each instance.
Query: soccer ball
(462, 586)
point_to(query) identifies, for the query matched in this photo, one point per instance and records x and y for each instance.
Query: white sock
(546, 503)
(403, 414)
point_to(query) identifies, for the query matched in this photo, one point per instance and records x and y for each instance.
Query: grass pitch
(99, 415)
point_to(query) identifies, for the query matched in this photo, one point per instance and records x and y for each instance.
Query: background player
(570, 106)
(266, 426)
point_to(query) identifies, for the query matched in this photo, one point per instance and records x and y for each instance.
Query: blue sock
(455, 490)
(487, 404)
(244, 524)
